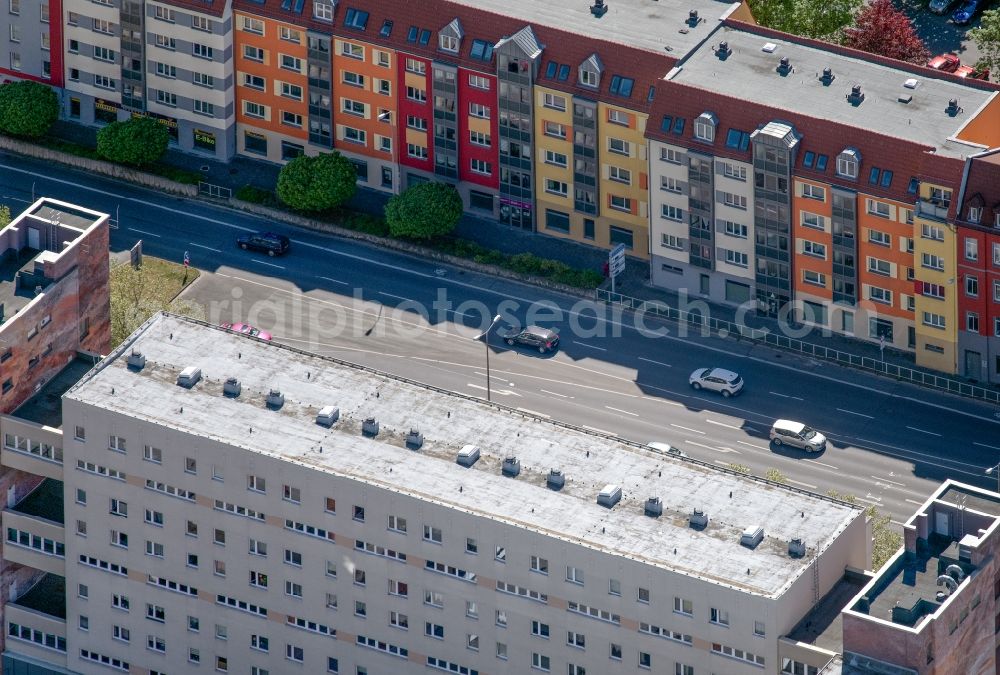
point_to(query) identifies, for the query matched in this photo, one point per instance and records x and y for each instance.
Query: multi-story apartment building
(978, 278)
(53, 307)
(282, 510)
(31, 43)
(932, 608)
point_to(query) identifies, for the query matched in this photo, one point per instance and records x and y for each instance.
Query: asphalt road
(891, 442)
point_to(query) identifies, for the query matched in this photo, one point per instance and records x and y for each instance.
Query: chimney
(693, 18)
(598, 9)
(784, 65)
(723, 51)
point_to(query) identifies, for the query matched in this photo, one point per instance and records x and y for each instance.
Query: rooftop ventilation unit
(232, 387)
(328, 416)
(904, 98)
(698, 519)
(752, 536)
(769, 47)
(856, 96)
(947, 582)
(136, 360)
(693, 18)
(955, 572)
(911, 83)
(609, 495)
(511, 466)
(598, 9)
(468, 455)
(784, 65)
(275, 399)
(370, 427)
(414, 439)
(556, 479)
(654, 507)
(827, 77)
(189, 377)
(953, 108)
(723, 50)
(796, 548)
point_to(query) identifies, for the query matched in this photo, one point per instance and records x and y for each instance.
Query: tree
(137, 294)
(27, 109)
(317, 183)
(809, 18)
(136, 142)
(987, 39)
(4, 216)
(424, 211)
(885, 540)
(880, 28)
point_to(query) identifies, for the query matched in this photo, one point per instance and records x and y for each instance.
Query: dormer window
(450, 37)
(975, 214)
(848, 163)
(590, 72)
(704, 127)
(589, 78)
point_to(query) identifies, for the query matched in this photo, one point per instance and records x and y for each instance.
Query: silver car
(797, 434)
(665, 449)
(726, 382)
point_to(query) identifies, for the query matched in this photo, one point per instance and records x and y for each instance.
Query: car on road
(247, 329)
(798, 435)
(948, 63)
(665, 449)
(265, 242)
(726, 382)
(941, 6)
(542, 339)
(964, 14)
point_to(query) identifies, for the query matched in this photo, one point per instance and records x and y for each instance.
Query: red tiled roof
(560, 46)
(983, 182)
(210, 7)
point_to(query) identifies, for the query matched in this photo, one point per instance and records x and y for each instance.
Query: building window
(972, 322)
(848, 162)
(814, 278)
(737, 258)
(934, 320)
(881, 238)
(671, 212)
(814, 249)
(557, 221)
(704, 127)
(621, 235)
(933, 232)
(448, 43)
(555, 102)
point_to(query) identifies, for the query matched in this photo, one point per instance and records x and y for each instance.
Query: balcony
(36, 622)
(934, 210)
(33, 529)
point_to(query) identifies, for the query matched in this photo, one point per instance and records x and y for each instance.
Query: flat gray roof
(449, 421)
(750, 74)
(653, 25)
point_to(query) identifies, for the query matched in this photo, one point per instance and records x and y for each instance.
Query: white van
(797, 434)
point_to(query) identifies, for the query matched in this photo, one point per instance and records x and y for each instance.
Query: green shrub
(255, 195)
(139, 141)
(317, 183)
(27, 109)
(182, 176)
(425, 211)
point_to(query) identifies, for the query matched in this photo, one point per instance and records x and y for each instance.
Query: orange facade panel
(364, 105)
(813, 240)
(885, 254)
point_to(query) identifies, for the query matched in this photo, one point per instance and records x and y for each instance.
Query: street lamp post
(485, 336)
(991, 470)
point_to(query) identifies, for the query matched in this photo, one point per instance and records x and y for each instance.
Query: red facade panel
(468, 151)
(408, 107)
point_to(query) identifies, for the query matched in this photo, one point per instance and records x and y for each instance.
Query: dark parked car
(940, 6)
(964, 14)
(265, 242)
(542, 339)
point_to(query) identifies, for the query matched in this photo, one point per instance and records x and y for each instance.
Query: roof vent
(698, 519)
(136, 360)
(953, 107)
(752, 536)
(414, 439)
(693, 18)
(784, 65)
(827, 77)
(769, 47)
(598, 9)
(328, 416)
(911, 83)
(370, 427)
(723, 51)
(948, 582)
(189, 376)
(955, 572)
(856, 96)
(556, 479)
(511, 466)
(796, 548)
(275, 399)
(468, 455)
(609, 495)
(904, 98)
(654, 507)
(232, 387)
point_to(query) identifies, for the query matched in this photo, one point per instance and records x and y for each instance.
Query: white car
(665, 449)
(726, 382)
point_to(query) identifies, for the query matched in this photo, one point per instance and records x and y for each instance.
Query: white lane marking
(148, 234)
(659, 363)
(207, 248)
(554, 393)
(335, 281)
(775, 393)
(896, 522)
(623, 412)
(851, 412)
(983, 445)
(693, 431)
(709, 447)
(873, 502)
(723, 424)
(722, 462)
(600, 431)
(264, 262)
(535, 413)
(923, 431)
(584, 344)
(829, 466)
(914, 501)
(501, 392)
(798, 482)
(398, 297)
(756, 447)
(657, 398)
(886, 480)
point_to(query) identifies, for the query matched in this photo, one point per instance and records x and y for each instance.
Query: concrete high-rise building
(239, 506)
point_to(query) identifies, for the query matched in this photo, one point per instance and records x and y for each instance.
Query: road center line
(923, 431)
(693, 431)
(623, 412)
(756, 447)
(798, 482)
(829, 466)
(398, 297)
(983, 445)
(584, 344)
(264, 262)
(709, 447)
(851, 412)
(335, 281)
(659, 363)
(913, 501)
(723, 424)
(553, 393)
(774, 393)
(207, 248)
(886, 480)
(148, 234)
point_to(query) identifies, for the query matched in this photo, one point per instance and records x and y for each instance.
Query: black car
(266, 242)
(542, 339)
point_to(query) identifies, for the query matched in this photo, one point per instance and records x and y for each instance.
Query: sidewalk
(633, 282)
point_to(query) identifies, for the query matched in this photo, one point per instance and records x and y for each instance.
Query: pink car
(247, 329)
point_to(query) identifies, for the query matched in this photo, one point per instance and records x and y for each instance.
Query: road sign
(187, 259)
(616, 263)
(135, 255)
